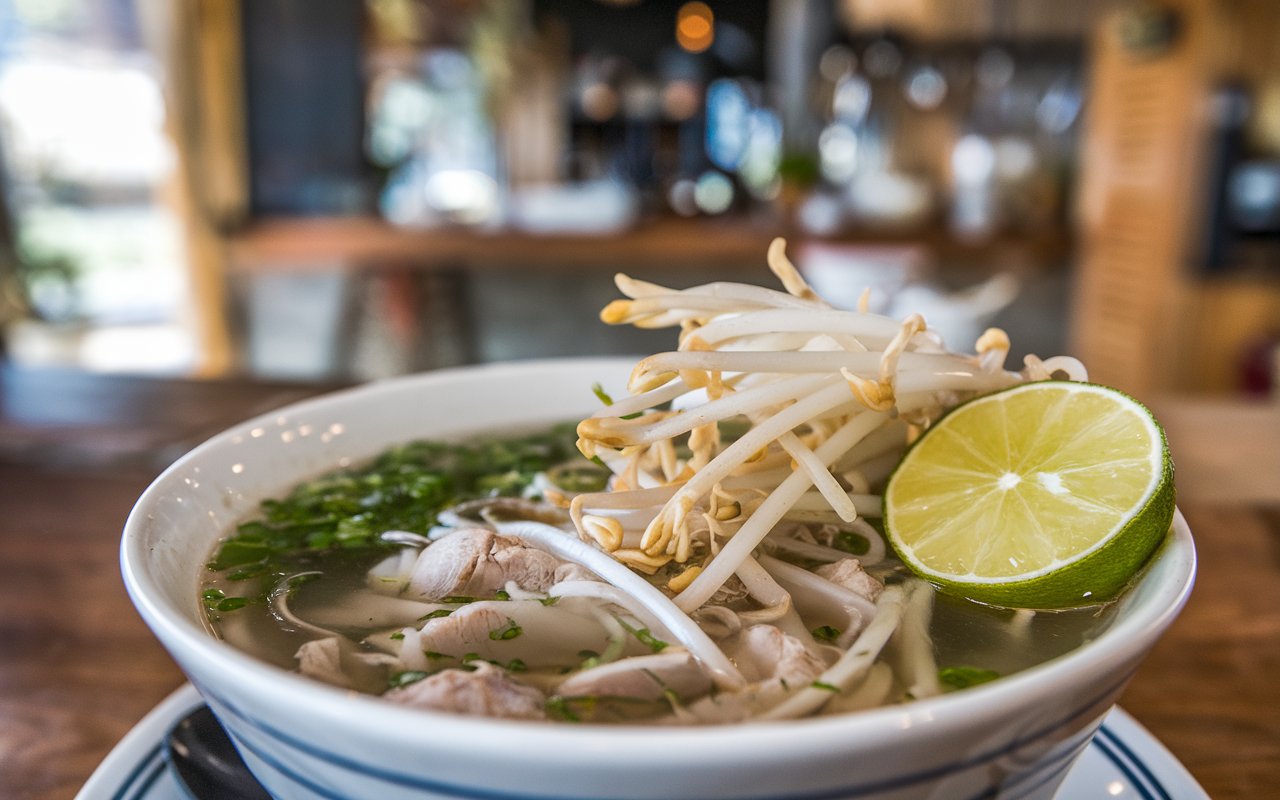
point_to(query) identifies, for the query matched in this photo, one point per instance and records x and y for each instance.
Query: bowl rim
(1125, 640)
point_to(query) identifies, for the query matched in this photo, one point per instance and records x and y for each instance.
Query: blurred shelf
(363, 242)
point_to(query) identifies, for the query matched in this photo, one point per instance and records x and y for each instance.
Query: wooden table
(78, 668)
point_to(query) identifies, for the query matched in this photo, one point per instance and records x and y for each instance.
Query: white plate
(1124, 762)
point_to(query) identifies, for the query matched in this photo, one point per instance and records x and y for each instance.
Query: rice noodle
(556, 541)
(851, 666)
(919, 669)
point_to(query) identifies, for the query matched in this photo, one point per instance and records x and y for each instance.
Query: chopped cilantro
(346, 511)
(216, 600)
(397, 636)
(826, 687)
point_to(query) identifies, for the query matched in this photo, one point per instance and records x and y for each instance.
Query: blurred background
(339, 190)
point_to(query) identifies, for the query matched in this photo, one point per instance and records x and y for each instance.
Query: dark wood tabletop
(78, 668)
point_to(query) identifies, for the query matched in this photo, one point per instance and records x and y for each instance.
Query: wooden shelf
(364, 242)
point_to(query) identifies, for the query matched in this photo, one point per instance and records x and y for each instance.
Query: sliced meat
(848, 572)
(477, 562)
(569, 571)
(764, 653)
(504, 630)
(485, 691)
(776, 663)
(339, 662)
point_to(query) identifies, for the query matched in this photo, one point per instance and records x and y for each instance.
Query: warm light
(695, 27)
(681, 99)
(599, 101)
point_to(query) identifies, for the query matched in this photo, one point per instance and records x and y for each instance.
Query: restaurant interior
(211, 208)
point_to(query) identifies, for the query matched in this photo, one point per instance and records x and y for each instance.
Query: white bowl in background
(1013, 738)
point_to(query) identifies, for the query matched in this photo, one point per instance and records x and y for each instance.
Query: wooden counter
(78, 668)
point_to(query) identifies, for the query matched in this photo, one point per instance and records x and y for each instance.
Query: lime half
(1046, 495)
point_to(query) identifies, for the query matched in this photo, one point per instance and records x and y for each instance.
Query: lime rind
(1089, 575)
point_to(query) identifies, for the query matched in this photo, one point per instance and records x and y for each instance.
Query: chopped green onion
(646, 638)
(962, 677)
(510, 631)
(559, 708)
(826, 633)
(405, 678)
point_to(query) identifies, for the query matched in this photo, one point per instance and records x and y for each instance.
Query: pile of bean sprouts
(832, 398)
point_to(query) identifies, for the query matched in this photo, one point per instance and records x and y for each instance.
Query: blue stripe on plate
(473, 793)
(1125, 760)
(145, 773)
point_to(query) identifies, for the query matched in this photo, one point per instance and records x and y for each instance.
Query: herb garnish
(405, 678)
(510, 631)
(216, 600)
(560, 708)
(462, 599)
(962, 677)
(852, 543)
(345, 512)
(826, 633)
(826, 687)
(645, 637)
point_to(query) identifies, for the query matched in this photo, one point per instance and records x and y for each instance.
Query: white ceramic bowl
(1013, 738)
